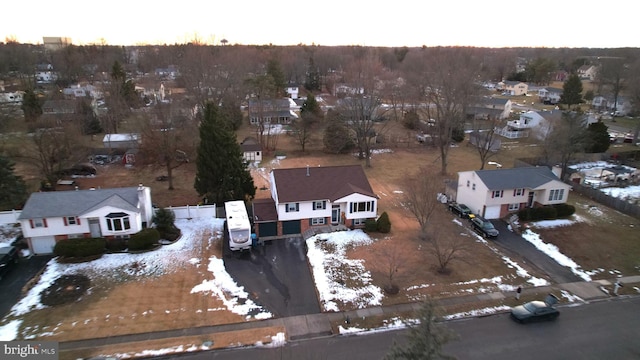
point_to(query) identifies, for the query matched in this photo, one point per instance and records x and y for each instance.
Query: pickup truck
(461, 210)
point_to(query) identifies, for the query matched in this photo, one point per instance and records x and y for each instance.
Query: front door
(94, 228)
(335, 214)
(530, 201)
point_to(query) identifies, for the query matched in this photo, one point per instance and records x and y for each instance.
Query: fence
(621, 205)
(197, 211)
(9, 217)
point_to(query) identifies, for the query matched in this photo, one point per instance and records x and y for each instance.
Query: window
(359, 221)
(317, 221)
(473, 187)
(38, 223)
(365, 206)
(118, 222)
(518, 192)
(496, 194)
(75, 236)
(557, 194)
(292, 207)
(468, 183)
(319, 205)
(514, 207)
(71, 220)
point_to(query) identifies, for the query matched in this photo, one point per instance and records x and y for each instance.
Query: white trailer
(238, 225)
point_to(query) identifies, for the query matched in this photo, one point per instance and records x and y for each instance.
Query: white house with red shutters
(117, 213)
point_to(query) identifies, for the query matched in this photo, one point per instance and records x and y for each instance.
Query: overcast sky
(490, 23)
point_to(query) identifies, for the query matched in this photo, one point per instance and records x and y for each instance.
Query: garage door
(291, 227)
(268, 229)
(492, 212)
(43, 244)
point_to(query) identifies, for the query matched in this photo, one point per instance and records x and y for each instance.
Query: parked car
(461, 210)
(8, 258)
(484, 227)
(534, 311)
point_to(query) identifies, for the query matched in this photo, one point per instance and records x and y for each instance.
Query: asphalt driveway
(520, 248)
(277, 275)
(12, 283)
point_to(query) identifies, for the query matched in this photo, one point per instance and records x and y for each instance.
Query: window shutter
(324, 204)
(310, 221)
(31, 223)
(77, 221)
(44, 221)
(286, 207)
(514, 192)
(64, 218)
(297, 206)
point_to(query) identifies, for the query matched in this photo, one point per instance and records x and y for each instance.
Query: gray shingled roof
(76, 203)
(328, 182)
(521, 177)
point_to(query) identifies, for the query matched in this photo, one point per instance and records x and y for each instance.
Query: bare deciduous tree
(447, 248)
(486, 141)
(168, 140)
(391, 260)
(420, 195)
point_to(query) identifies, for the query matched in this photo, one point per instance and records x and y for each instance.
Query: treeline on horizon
(495, 63)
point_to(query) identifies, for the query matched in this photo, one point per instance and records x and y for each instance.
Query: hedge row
(547, 212)
(80, 247)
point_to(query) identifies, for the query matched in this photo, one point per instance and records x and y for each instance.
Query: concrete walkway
(316, 325)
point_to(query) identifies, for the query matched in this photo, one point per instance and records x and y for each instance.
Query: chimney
(308, 170)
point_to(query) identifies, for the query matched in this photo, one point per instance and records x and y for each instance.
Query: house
(550, 95)
(272, 111)
(292, 90)
(121, 141)
(117, 213)
(305, 198)
(619, 107)
(490, 108)
(513, 88)
(587, 72)
(494, 194)
(251, 150)
(537, 123)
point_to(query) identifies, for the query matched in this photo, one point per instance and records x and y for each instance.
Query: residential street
(11, 285)
(601, 330)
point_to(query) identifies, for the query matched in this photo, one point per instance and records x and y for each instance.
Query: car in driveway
(484, 227)
(534, 311)
(8, 259)
(461, 210)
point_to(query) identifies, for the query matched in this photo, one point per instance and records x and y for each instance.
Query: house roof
(75, 203)
(317, 183)
(264, 210)
(521, 177)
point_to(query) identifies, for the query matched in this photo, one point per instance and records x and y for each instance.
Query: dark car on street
(461, 210)
(8, 259)
(534, 311)
(484, 227)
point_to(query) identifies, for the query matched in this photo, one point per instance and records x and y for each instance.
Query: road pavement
(12, 283)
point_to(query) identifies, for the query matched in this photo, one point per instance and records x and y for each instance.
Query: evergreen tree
(31, 106)
(312, 82)
(275, 71)
(13, 190)
(221, 172)
(572, 91)
(597, 138)
(230, 111)
(425, 339)
(337, 138)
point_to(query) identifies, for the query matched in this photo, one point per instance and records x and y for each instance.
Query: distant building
(53, 43)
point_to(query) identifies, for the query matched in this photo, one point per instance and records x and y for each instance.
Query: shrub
(164, 219)
(144, 239)
(80, 247)
(116, 245)
(384, 224)
(370, 225)
(564, 210)
(538, 213)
